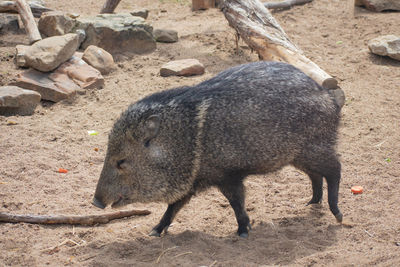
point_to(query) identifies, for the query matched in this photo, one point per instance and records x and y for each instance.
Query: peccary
(250, 119)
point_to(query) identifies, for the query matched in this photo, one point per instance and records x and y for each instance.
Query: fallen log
(285, 4)
(262, 33)
(11, 7)
(70, 219)
(29, 22)
(109, 6)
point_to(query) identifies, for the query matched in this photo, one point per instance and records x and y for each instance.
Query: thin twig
(212, 264)
(163, 252)
(368, 233)
(179, 255)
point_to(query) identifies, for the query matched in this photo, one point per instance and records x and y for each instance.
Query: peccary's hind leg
(325, 165)
(169, 215)
(235, 193)
(333, 181)
(316, 180)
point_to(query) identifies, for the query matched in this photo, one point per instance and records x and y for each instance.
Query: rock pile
(57, 71)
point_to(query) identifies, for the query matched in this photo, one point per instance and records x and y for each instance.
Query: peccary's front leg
(235, 193)
(169, 215)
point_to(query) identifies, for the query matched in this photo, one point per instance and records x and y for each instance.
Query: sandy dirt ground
(332, 33)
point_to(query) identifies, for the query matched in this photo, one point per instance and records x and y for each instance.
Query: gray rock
(379, 5)
(84, 75)
(63, 83)
(143, 13)
(20, 52)
(184, 67)
(387, 45)
(118, 33)
(17, 101)
(81, 35)
(55, 23)
(165, 36)
(9, 23)
(47, 54)
(51, 86)
(99, 59)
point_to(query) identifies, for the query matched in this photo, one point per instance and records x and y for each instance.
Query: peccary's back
(259, 117)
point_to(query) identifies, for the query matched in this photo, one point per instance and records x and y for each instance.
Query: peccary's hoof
(244, 235)
(339, 217)
(155, 233)
(312, 201)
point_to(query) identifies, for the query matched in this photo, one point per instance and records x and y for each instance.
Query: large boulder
(118, 33)
(387, 45)
(17, 101)
(47, 54)
(54, 23)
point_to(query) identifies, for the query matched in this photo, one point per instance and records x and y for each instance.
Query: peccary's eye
(119, 164)
(147, 143)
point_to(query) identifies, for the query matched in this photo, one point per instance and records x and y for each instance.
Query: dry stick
(29, 22)
(163, 252)
(262, 33)
(285, 4)
(11, 7)
(109, 6)
(65, 219)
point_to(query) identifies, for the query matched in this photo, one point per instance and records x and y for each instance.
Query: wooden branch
(73, 219)
(258, 28)
(285, 4)
(109, 6)
(29, 22)
(11, 7)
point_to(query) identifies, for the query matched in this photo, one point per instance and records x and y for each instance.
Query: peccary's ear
(151, 128)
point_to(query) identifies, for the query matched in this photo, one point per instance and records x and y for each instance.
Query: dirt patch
(285, 232)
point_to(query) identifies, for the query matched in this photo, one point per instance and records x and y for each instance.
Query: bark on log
(64, 219)
(202, 4)
(11, 7)
(285, 4)
(29, 22)
(109, 6)
(259, 29)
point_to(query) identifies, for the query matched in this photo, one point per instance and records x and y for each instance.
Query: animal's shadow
(278, 242)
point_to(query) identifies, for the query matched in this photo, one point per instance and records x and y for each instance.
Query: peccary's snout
(98, 203)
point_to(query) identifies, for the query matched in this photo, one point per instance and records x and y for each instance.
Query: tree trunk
(109, 6)
(258, 28)
(29, 22)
